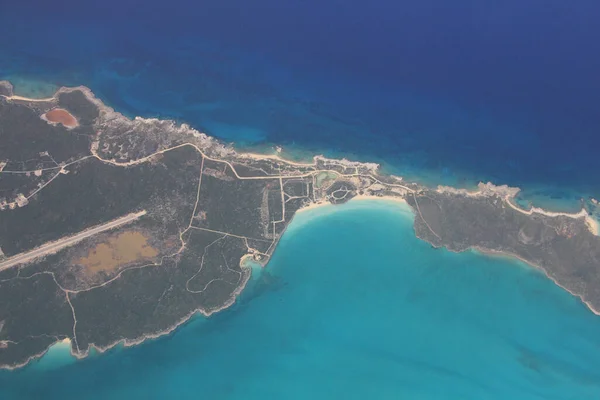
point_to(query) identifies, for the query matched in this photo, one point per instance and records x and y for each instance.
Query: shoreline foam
(505, 191)
(509, 193)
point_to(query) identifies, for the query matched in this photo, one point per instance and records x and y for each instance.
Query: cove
(353, 305)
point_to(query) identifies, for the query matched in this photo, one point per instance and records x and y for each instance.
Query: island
(116, 230)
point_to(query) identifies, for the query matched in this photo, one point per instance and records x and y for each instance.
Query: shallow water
(354, 305)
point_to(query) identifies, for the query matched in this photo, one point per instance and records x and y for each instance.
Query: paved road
(55, 246)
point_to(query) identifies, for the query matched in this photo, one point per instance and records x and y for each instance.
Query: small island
(115, 230)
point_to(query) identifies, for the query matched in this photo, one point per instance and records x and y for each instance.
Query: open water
(444, 92)
(354, 306)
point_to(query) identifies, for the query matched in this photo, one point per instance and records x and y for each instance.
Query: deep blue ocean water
(354, 306)
(445, 92)
(438, 91)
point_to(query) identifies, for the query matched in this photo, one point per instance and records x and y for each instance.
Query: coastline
(67, 343)
(510, 256)
(484, 189)
(592, 224)
(488, 189)
(509, 193)
(362, 197)
(494, 253)
(397, 200)
(477, 249)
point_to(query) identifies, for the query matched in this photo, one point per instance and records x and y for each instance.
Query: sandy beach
(21, 98)
(591, 223)
(313, 205)
(363, 197)
(509, 193)
(398, 200)
(257, 156)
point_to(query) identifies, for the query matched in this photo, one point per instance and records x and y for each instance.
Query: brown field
(60, 116)
(117, 251)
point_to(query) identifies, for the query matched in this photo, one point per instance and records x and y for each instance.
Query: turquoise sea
(354, 306)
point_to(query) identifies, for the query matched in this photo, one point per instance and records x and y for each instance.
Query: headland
(207, 210)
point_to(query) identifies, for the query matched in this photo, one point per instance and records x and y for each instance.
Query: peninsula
(114, 230)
